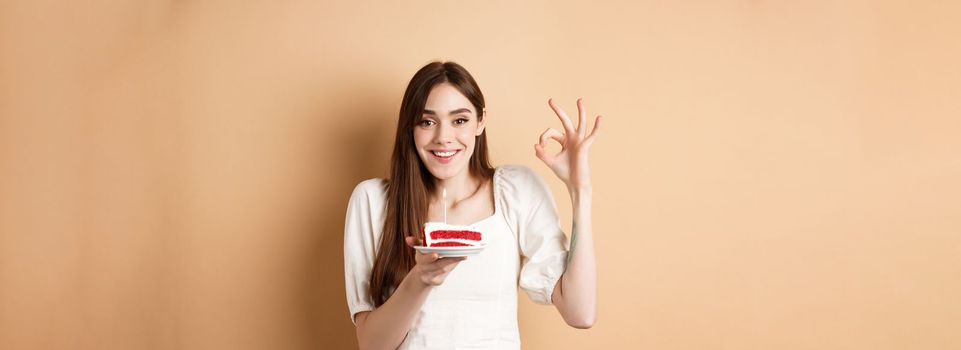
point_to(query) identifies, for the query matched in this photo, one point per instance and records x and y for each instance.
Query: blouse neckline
(497, 206)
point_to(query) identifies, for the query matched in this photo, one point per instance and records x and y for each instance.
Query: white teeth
(443, 154)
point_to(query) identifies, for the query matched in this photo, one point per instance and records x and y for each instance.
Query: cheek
(469, 140)
(467, 137)
(421, 138)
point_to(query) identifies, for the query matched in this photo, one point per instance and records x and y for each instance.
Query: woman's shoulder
(371, 189)
(517, 175)
(520, 191)
(520, 186)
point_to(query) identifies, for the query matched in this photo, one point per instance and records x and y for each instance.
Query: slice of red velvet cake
(439, 234)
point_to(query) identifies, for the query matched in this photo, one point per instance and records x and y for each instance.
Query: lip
(444, 160)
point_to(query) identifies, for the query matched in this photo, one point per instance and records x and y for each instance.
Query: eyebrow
(459, 110)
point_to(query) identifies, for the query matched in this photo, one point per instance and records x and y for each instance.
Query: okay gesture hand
(570, 164)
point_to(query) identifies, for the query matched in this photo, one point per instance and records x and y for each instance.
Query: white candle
(445, 204)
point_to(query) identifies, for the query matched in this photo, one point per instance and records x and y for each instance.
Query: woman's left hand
(570, 164)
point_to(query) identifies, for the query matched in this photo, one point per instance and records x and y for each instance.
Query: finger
(442, 265)
(425, 258)
(449, 259)
(450, 266)
(565, 120)
(597, 128)
(540, 149)
(581, 118)
(542, 154)
(409, 240)
(552, 133)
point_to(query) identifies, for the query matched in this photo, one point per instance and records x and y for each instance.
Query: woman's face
(446, 132)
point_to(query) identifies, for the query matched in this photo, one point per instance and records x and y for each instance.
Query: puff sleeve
(362, 228)
(532, 213)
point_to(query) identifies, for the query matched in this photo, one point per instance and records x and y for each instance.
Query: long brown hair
(410, 183)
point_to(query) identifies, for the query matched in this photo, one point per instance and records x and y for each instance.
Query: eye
(426, 123)
(461, 121)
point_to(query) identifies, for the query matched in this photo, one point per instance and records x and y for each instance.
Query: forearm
(575, 295)
(387, 326)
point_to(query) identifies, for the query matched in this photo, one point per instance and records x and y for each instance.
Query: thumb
(410, 241)
(541, 153)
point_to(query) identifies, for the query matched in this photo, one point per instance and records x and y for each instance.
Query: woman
(401, 298)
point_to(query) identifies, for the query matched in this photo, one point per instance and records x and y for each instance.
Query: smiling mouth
(444, 154)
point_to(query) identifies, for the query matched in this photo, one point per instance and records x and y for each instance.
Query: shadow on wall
(351, 149)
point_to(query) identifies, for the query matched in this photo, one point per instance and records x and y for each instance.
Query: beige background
(773, 174)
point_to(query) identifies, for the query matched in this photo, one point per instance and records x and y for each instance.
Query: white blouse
(476, 306)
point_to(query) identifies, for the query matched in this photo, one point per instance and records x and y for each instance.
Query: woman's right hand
(386, 326)
(431, 269)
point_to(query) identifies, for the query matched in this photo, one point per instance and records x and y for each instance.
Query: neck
(461, 186)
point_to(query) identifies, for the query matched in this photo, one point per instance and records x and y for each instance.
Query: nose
(444, 134)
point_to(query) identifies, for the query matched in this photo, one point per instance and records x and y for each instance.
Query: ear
(482, 122)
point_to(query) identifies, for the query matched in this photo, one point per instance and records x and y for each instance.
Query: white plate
(449, 252)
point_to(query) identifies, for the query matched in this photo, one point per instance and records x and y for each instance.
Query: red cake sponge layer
(450, 244)
(449, 234)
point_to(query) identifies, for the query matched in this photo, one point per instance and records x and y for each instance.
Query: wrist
(579, 192)
(415, 278)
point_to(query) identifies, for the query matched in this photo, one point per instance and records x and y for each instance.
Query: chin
(446, 172)
(442, 174)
